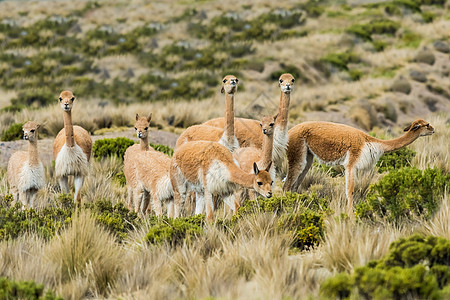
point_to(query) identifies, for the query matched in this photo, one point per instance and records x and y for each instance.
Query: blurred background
(369, 64)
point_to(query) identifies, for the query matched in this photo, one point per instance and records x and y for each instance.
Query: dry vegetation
(251, 260)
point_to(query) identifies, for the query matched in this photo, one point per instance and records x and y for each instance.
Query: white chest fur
(164, 188)
(218, 180)
(370, 154)
(31, 177)
(71, 161)
(280, 143)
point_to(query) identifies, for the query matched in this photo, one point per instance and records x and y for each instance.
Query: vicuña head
(66, 99)
(420, 127)
(30, 131)
(141, 126)
(229, 84)
(268, 124)
(262, 182)
(286, 83)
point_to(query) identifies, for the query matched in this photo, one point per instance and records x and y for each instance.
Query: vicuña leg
(32, 197)
(199, 203)
(209, 205)
(64, 184)
(230, 200)
(78, 183)
(309, 161)
(297, 163)
(157, 207)
(130, 197)
(349, 185)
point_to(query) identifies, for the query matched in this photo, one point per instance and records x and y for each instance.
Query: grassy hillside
(364, 64)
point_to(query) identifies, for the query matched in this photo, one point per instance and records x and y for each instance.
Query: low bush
(118, 219)
(39, 97)
(14, 221)
(111, 147)
(341, 60)
(11, 290)
(301, 215)
(275, 75)
(405, 194)
(415, 268)
(14, 132)
(380, 26)
(174, 232)
(163, 148)
(395, 160)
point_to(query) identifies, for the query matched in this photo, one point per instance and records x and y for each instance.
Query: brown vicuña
(25, 169)
(208, 168)
(263, 157)
(141, 127)
(224, 135)
(338, 144)
(248, 133)
(71, 149)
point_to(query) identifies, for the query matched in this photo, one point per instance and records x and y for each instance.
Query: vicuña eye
(237, 80)
(135, 128)
(260, 125)
(73, 98)
(293, 79)
(60, 99)
(271, 124)
(259, 183)
(32, 130)
(145, 128)
(281, 80)
(224, 80)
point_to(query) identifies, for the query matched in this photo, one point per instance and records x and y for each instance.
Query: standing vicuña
(71, 149)
(224, 136)
(248, 132)
(208, 169)
(25, 170)
(338, 144)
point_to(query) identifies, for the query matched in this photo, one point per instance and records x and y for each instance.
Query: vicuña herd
(224, 158)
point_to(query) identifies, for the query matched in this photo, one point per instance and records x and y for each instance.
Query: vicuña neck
(68, 129)
(144, 144)
(400, 142)
(267, 148)
(229, 118)
(240, 177)
(283, 111)
(33, 158)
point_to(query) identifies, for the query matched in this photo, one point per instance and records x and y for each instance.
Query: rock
(417, 76)
(401, 86)
(425, 56)
(441, 46)
(129, 73)
(104, 74)
(431, 103)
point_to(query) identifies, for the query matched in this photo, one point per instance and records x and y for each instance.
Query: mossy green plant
(111, 147)
(404, 194)
(415, 267)
(12, 289)
(395, 160)
(14, 132)
(174, 232)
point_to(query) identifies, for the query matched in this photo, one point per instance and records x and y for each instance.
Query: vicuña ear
(137, 117)
(149, 117)
(415, 127)
(407, 128)
(37, 126)
(268, 167)
(275, 117)
(255, 168)
(222, 90)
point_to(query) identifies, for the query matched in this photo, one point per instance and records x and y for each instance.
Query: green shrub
(11, 290)
(174, 232)
(111, 147)
(404, 194)
(118, 219)
(14, 132)
(301, 215)
(428, 16)
(395, 160)
(163, 148)
(380, 26)
(14, 221)
(39, 97)
(341, 60)
(415, 268)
